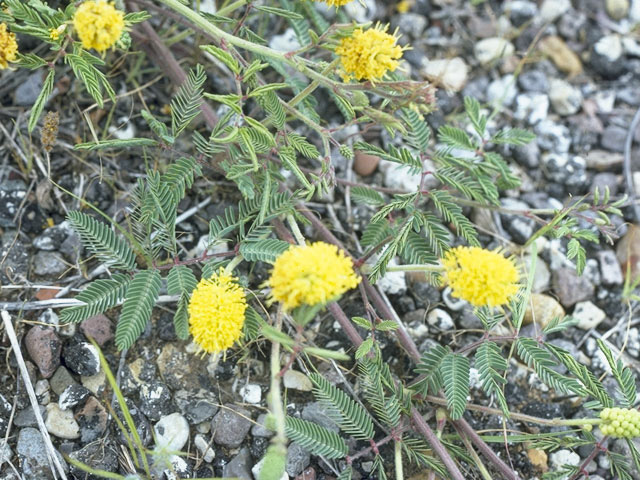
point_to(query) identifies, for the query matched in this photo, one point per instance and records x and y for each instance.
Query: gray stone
(489, 50)
(565, 98)
(610, 268)
(52, 238)
(565, 169)
(98, 327)
(297, 381)
(519, 227)
(553, 136)
(14, 253)
(44, 348)
(532, 107)
(82, 358)
(571, 288)
(155, 400)
(61, 423)
(520, 11)
(28, 91)
(440, 320)
(297, 459)
(570, 26)
(48, 263)
(534, 81)
(551, 10)
(92, 419)
(27, 418)
(251, 393)
(259, 430)
(201, 443)
(98, 455)
(316, 413)
(453, 303)
(613, 138)
(239, 466)
(61, 380)
(502, 91)
(172, 432)
(605, 180)
(527, 155)
(230, 427)
(33, 455)
(410, 24)
(588, 315)
(73, 395)
(197, 407)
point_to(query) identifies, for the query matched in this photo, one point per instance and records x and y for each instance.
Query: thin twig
(631, 192)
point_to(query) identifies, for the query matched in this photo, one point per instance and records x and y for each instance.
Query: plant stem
(275, 397)
(296, 230)
(483, 470)
(224, 11)
(397, 450)
(233, 264)
(438, 448)
(406, 268)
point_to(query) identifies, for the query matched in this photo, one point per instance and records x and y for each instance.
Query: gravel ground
(569, 71)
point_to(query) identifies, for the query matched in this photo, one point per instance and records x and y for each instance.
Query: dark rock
(81, 358)
(155, 400)
(571, 288)
(14, 254)
(613, 138)
(51, 239)
(519, 227)
(165, 328)
(316, 413)
(297, 459)
(552, 136)
(477, 88)
(424, 294)
(98, 327)
(239, 466)
(72, 396)
(33, 455)
(605, 67)
(258, 447)
(97, 455)
(139, 420)
(521, 11)
(61, 380)
(44, 348)
(27, 91)
(230, 428)
(48, 263)
(527, 155)
(259, 430)
(27, 417)
(534, 81)
(197, 407)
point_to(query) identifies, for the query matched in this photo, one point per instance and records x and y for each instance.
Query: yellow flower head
(481, 277)
(311, 275)
(404, 6)
(336, 3)
(99, 24)
(620, 422)
(8, 46)
(369, 54)
(216, 312)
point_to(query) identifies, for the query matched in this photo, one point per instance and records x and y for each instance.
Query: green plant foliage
(352, 418)
(99, 296)
(316, 439)
(430, 380)
(491, 366)
(455, 378)
(102, 241)
(624, 376)
(141, 296)
(185, 105)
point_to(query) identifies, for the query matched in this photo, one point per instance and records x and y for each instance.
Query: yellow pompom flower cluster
(481, 277)
(620, 422)
(216, 312)
(334, 3)
(8, 46)
(369, 54)
(99, 24)
(311, 275)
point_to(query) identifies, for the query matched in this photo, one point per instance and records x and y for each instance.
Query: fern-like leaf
(455, 376)
(185, 104)
(490, 363)
(314, 438)
(181, 281)
(349, 415)
(624, 376)
(429, 369)
(102, 241)
(99, 296)
(136, 310)
(540, 360)
(264, 250)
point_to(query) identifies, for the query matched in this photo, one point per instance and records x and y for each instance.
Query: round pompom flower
(481, 277)
(369, 54)
(99, 24)
(8, 46)
(334, 3)
(216, 312)
(311, 275)
(620, 422)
